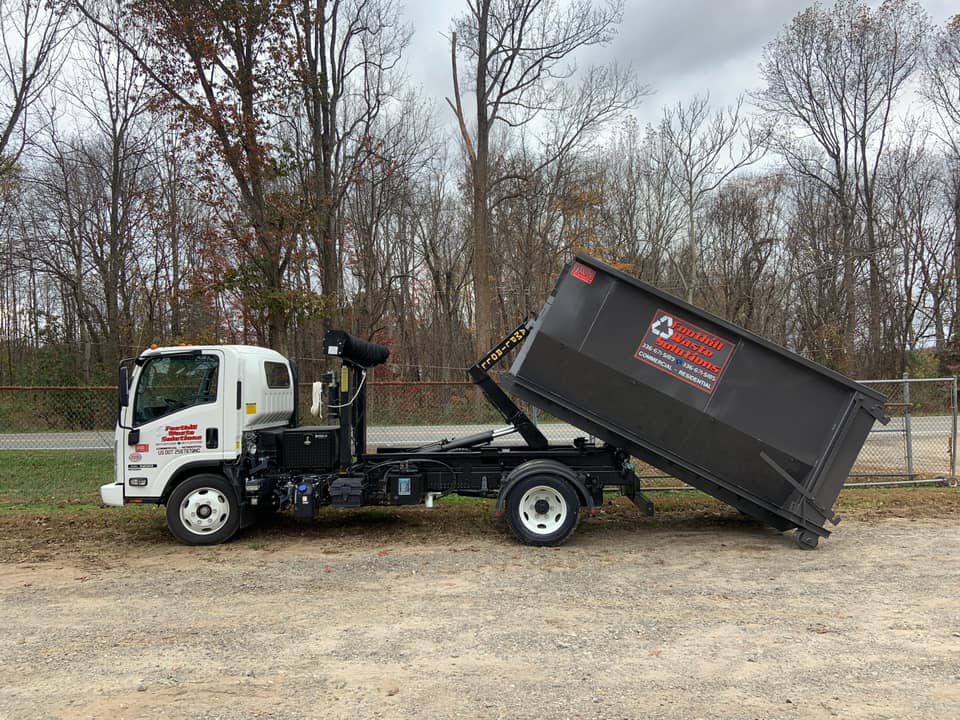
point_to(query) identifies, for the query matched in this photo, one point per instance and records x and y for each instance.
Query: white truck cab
(185, 412)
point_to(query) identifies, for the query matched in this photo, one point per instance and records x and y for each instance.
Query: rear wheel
(543, 510)
(203, 510)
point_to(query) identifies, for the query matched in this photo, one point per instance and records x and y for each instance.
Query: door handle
(213, 440)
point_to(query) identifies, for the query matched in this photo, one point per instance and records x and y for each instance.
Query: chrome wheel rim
(542, 510)
(204, 511)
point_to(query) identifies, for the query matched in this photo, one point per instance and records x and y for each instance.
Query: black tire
(203, 510)
(543, 510)
(806, 540)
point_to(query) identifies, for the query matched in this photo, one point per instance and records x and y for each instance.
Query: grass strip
(46, 480)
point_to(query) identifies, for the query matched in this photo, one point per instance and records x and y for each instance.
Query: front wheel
(203, 510)
(543, 510)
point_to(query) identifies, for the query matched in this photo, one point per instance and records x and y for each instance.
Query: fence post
(953, 435)
(907, 429)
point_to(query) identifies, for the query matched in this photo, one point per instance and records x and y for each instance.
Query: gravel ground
(695, 621)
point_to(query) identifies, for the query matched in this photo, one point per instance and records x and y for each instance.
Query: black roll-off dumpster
(757, 426)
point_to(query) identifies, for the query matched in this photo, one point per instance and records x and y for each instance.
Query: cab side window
(278, 375)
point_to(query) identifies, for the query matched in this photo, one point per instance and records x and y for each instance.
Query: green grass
(46, 480)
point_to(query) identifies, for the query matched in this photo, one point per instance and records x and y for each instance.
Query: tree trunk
(484, 279)
(956, 261)
(848, 349)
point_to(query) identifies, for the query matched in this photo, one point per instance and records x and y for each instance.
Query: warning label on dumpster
(684, 350)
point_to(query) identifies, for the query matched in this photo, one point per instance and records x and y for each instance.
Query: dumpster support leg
(633, 492)
(643, 502)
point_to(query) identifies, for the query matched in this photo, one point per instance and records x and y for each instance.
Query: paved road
(97, 440)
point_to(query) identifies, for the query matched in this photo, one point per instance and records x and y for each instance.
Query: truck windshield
(168, 384)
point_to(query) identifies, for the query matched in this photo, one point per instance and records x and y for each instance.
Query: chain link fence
(919, 443)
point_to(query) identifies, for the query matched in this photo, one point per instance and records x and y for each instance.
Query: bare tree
(84, 225)
(643, 213)
(743, 229)
(942, 88)
(533, 230)
(442, 236)
(187, 251)
(917, 220)
(343, 53)
(942, 76)
(708, 147)
(35, 36)
(377, 239)
(85, 231)
(817, 272)
(834, 76)
(518, 56)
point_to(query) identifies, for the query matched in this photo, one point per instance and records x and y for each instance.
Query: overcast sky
(677, 47)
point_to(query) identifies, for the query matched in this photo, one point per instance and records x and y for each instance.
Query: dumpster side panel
(789, 406)
(663, 379)
(653, 420)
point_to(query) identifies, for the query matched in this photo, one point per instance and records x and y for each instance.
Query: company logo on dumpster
(688, 352)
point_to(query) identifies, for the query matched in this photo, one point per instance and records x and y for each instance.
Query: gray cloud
(678, 47)
(667, 40)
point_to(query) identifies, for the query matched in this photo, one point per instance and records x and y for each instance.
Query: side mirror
(124, 387)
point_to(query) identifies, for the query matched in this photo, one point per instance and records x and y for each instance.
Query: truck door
(177, 416)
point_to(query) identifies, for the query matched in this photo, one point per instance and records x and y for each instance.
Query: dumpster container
(726, 411)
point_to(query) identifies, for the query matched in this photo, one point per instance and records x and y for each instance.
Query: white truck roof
(229, 350)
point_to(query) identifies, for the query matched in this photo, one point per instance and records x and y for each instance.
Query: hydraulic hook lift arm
(497, 397)
(519, 422)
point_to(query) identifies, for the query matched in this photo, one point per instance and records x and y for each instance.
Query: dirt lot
(412, 614)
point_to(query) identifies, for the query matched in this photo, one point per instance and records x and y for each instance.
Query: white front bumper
(112, 494)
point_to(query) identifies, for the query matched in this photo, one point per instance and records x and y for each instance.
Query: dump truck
(213, 433)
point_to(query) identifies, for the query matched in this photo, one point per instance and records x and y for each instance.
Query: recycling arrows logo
(663, 327)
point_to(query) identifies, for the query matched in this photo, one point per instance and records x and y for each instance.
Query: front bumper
(112, 494)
